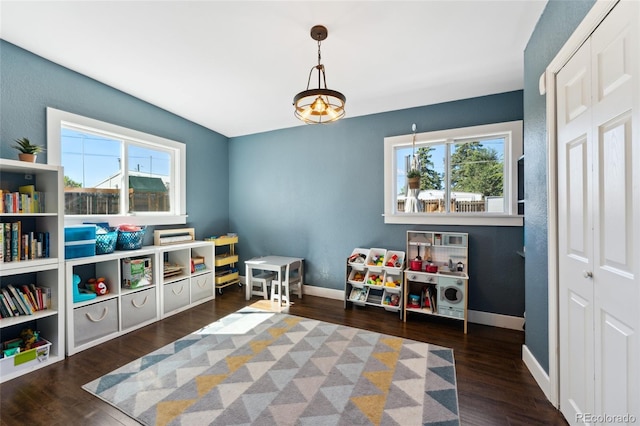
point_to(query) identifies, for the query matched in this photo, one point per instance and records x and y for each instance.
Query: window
(468, 176)
(115, 174)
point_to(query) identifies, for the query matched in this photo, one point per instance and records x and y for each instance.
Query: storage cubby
(374, 278)
(39, 262)
(184, 282)
(144, 286)
(131, 300)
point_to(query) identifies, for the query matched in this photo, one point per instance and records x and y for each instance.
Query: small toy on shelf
(80, 295)
(98, 286)
(414, 301)
(29, 338)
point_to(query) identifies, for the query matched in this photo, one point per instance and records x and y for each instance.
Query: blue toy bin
(106, 239)
(130, 240)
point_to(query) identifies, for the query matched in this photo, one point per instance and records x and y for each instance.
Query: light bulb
(319, 105)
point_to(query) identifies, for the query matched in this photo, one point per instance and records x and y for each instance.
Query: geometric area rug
(254, 367)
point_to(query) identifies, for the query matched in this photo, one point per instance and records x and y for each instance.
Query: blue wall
(29, 84)
(317, 192)
(312, 191)
(557, 23)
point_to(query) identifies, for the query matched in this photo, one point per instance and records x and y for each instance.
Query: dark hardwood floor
(494, 386)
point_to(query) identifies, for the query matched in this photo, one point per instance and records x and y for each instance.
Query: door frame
(548, 85)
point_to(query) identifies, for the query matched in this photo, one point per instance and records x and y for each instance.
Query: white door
(599, 224)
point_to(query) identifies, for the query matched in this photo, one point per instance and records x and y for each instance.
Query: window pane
(429, 160)
(149, 179)
(477, 176)
(92, 175)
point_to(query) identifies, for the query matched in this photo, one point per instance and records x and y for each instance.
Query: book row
(23, 300)
(26, 200)
(16, 245)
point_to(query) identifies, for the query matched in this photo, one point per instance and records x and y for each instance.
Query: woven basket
(106, 243)
(130, 240)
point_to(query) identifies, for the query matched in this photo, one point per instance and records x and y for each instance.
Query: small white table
(277, 264)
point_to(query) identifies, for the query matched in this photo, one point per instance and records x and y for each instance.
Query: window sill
(114, 220)
(453, 219)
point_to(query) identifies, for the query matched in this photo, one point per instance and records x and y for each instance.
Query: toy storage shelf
(131, 305)
(375, 283)
(194, 284)
(43, 272)
(438, 290)
(126, 307)
(226, 259)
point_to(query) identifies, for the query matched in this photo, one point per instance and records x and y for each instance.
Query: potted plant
(28, 151)
(413, 178)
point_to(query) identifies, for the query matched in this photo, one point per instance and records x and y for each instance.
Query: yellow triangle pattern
(235, 362)
(390, 359)
(291, 321)
(259, 346)
(205, 383)
(168, 410)
(381, 379)
(393, 343)
(277, 331)
(371, 405)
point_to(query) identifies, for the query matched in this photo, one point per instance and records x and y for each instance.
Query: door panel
(575, 236)
(616, 353)
(577, 208)
(615, 197)
(613, 56)
(580, 345)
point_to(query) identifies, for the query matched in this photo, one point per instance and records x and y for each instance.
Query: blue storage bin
(79, 233)
(106, 241)
(83, 248)
(130, 240)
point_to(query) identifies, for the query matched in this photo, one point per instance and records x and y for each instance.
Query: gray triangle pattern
(283, 370)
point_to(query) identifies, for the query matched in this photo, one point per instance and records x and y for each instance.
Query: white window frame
(513, 133)
(56, 119)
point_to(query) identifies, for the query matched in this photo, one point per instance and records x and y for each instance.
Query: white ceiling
(234, 66)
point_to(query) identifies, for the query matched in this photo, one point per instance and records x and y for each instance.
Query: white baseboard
(328, 293)
(476, 317)
(539, 375)
(496, 320)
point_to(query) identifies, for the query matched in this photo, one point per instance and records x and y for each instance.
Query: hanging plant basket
(413, 182)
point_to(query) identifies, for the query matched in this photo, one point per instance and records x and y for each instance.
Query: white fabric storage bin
(201, 287)
(175, 295)
(94, 321)
(138, 307)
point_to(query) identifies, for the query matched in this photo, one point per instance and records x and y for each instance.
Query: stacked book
(197, 264)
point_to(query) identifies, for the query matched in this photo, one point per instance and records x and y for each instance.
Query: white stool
(292, 279)
(260, 282)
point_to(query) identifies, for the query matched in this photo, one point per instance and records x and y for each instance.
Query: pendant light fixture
(321, 105)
